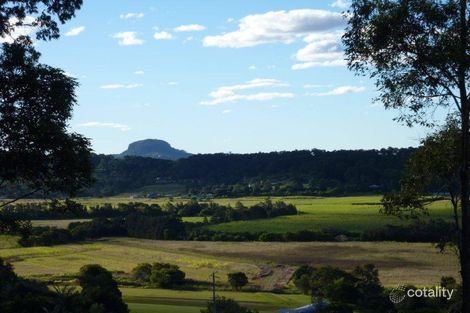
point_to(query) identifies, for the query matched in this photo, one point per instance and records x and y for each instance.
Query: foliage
(18, 295)
(161, 275)
(418, 53)
(100, 289)
(315, 172)
(166, 275)
(39, 98)
(225, 305)
(434, 168)
(142, 272)
(359, 290)
(46, 14)
(411, 49)
(237, 280)
(431, 169)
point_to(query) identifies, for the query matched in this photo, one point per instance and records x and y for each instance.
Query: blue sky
(213, 76)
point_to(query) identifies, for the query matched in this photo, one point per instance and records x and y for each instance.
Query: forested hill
(315, 172)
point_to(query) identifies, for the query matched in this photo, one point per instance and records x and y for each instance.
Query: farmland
(347, 213)
(414, 263)
(418, 263)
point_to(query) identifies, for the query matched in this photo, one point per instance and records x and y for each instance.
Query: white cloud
(228, 111)
(190, 28)
(128, 16)
(121, 127)
(320, 29)
(252, 67)
(19, 30)
(162, 36)
(339, 91)
(75, 31)
(276, 26)
(322, 50)
(340, 4)
(128, 39)
(121, 86)
(230, 20)
(139, 72)
(173, 83)
(226, 94)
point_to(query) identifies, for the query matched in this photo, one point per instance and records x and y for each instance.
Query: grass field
(348, 213)
(56, 223)
(158, 300)
(398, 262)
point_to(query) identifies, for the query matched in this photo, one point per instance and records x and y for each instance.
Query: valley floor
(414, 263)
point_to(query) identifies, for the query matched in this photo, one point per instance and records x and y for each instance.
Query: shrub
(237, 280)
(166, 275)
(142, 272)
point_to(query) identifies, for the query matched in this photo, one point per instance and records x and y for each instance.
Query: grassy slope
(398, 262)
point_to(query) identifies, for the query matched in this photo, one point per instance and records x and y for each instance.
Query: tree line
(313, 172)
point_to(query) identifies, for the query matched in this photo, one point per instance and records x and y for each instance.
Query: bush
(100, 289)
(166, 275)
(237, 280)
(142, 272)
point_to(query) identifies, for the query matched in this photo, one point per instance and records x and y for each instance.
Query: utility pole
(213, 292)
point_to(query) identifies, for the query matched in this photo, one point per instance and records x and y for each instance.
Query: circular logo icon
(398, 294)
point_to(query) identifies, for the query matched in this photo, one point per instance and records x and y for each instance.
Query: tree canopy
(418, 53)
(44, 16)
(36, 149)
(413, 50)
(37, 152)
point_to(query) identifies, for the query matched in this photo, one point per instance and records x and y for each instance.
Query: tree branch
(18, 198)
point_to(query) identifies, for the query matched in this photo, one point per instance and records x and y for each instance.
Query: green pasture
(357, 213)
(347, 213)
(159, 300)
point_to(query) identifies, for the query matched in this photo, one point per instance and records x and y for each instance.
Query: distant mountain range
(154, 148)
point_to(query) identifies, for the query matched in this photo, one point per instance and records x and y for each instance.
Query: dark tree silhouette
(237, 280)
(100, 289)
(418, 53)
(37, 152)
(431, 174)
(43, 15)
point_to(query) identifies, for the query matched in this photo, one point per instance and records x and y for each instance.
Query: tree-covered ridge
(297, 172)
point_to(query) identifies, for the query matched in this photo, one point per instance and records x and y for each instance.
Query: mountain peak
(154, 148)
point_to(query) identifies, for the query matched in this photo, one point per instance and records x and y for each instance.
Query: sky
(220, 76)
